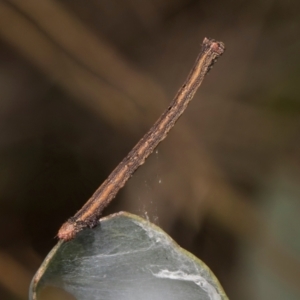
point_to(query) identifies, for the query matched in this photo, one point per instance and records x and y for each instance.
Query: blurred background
(82, 81)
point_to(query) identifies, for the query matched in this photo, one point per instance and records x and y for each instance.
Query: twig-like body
(89, 214)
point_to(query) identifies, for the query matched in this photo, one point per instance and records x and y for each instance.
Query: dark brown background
(82, 81)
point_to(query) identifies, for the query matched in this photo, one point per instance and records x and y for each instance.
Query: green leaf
(126, 257)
